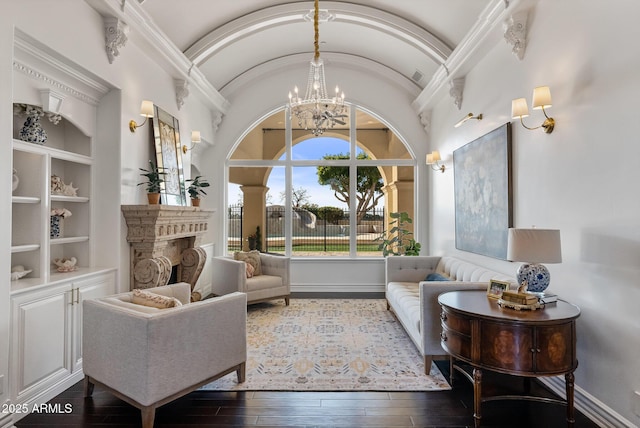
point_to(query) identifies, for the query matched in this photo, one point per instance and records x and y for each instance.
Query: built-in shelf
(25, 248)
(25, 200)
(61, 198)
(70, 240)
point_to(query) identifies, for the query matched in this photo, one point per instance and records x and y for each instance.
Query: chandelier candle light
(317, 111)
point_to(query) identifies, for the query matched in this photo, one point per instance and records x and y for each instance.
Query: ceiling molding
(377, 19)
(146, 34)
(336, 61)
(465, 54)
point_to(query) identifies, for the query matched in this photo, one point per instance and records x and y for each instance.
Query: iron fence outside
(316, 231)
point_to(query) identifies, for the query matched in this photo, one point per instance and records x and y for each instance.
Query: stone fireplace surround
(164, 237)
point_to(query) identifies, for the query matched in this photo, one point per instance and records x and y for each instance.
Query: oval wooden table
(476, 330)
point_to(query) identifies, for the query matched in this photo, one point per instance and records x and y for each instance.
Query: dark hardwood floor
(317, 409)
(452, 408)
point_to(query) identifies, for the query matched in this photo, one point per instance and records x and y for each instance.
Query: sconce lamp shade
(519, 108)
(195, 137)
(534, 246)
(146, 109)
(541, 98)
(433, 157)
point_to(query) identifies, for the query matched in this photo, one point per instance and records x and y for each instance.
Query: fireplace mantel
(157, 232)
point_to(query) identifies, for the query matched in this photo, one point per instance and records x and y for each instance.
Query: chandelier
(317, 112)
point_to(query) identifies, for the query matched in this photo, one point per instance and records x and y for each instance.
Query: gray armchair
(229, 275)
(149, 357)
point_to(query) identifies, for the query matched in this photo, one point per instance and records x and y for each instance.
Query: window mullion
(353, 175)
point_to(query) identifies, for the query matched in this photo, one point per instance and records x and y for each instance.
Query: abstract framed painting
(166, 133)
(484, 194)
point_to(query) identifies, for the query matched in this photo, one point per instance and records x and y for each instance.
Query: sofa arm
(228, 275)
(276, 266)
(409, 268)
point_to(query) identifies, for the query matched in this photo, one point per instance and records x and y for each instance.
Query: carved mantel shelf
(159, 236)
(151, 223)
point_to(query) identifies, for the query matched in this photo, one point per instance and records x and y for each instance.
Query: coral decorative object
(66, 264)
(16, 180)
(18, 271)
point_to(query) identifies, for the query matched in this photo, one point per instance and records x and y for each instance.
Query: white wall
(75, 31)
(582, 178)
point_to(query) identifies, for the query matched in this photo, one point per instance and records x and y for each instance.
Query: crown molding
(465, 55)
(225, 35)
(147, 35)
(41, 63)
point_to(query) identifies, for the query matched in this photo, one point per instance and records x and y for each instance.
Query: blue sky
(303, 177)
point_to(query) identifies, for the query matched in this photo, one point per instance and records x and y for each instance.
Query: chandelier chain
(317, 111)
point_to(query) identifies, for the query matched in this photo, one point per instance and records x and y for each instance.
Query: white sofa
(415, 301)
(149, 357)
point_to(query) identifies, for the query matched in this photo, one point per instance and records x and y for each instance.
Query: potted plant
(153, 183)
(398, 240)
(195, 189)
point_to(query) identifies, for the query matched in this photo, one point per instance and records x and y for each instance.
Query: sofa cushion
(252, 257)
(436, 277)
(146, 298)
(263, 282)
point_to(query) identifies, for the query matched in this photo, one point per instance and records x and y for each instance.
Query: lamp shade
(519, 108)
(541, 97)
(433, 157)
(534, 245)
(195, 137)
(146, 109)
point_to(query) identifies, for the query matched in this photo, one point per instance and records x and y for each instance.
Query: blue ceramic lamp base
(536, 276)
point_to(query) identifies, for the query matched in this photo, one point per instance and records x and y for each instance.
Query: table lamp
(532, 247)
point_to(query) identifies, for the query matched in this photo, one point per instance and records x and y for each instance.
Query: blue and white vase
(55, 230)
(32, 131)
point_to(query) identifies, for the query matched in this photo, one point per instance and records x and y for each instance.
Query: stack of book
(519, 298)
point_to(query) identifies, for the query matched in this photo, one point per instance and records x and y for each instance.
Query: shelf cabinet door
(40, 340)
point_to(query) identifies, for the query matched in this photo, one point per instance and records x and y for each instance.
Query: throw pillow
(249, 269)
(436, 277)
(252, 257)
(147, 298)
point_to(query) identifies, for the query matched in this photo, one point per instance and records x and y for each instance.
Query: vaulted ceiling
(218, 46)
(226, 38)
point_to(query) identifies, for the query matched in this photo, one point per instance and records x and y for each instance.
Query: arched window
(307, 196)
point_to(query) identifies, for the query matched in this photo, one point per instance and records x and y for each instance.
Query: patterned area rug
(330, 345)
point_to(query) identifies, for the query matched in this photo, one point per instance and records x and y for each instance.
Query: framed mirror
(166, 133)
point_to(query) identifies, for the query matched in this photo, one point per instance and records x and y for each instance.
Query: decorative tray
(519, 307)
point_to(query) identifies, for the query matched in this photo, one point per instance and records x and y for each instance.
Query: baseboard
(589, 405)
(333, 288)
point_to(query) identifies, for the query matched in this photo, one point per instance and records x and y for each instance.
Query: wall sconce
(195, 139)
(541, 100)
(146, 110)
(467, 117)
(432, 159)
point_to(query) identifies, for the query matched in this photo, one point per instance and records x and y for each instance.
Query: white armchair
(230, 275)
(149, 357)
